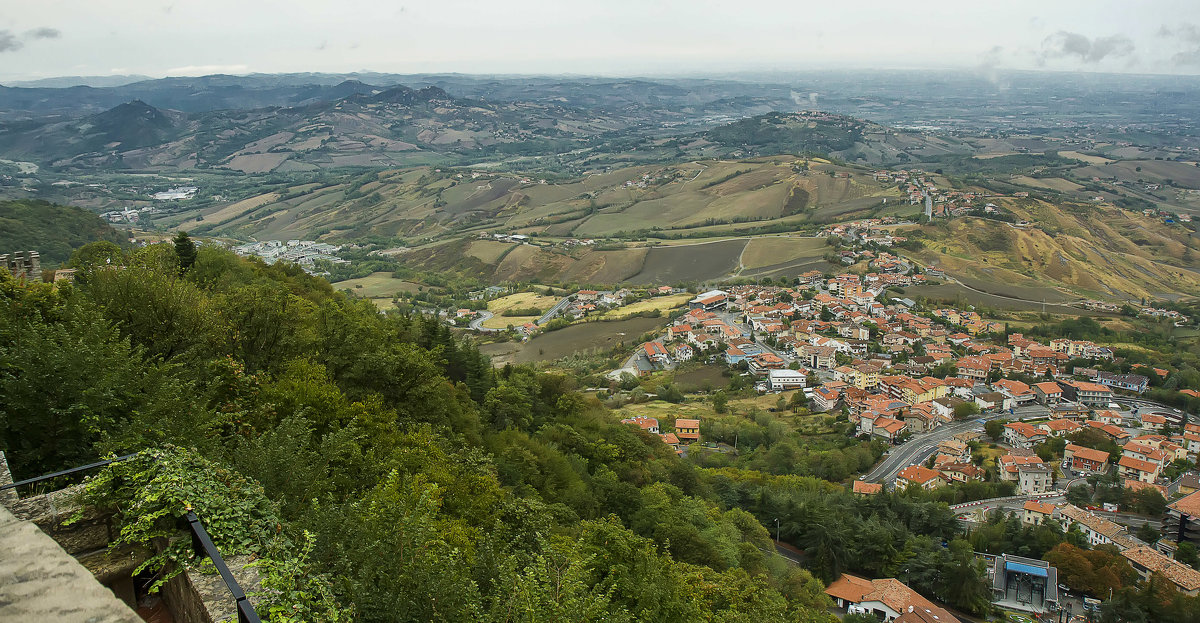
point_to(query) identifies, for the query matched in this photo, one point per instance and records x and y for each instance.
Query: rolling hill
(54, 231)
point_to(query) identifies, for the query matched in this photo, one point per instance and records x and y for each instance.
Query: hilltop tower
(23, 264)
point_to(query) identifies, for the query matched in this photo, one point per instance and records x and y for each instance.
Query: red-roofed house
(917, 475)
(1022, 435)
(687, 430)
(1086, 460)
(888, 600)
(1137, 469)
(1048, 393)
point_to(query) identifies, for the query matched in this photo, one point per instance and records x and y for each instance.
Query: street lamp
(776, 531)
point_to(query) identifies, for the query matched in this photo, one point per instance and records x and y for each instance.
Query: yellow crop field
(661, 303)
(521, 300)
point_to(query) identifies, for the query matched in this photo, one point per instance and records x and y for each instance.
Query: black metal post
(246, 613)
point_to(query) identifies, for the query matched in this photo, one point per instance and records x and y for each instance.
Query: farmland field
(662, 303)
(522, 300)
(697, 262)
(1084, 157)
(953, 291)
(769, 251)
(376, 285)
(573, 339)
(1051, 183)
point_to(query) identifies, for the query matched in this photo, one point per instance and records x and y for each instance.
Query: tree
(965, 410)
(1186, 554)
(1079, 495)
(1148, 534)
(995, 429)
(720, 402)
(185, 250)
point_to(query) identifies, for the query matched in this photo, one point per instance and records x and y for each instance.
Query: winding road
(916, 450)
(484, 316)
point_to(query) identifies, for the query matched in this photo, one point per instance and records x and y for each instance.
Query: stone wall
(40, 581)
(198, 595)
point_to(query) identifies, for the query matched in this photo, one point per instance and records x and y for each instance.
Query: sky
(47, 38)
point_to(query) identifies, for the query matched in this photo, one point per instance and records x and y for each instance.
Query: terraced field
(690, 263)
(577, 338)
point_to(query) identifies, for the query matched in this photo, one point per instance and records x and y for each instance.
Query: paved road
(477, 323)
(553, 311)
(916, 450)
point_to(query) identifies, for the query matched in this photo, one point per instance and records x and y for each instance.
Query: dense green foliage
(374, 463)
(51, 230)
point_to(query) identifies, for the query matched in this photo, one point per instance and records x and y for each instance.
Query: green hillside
(54, 231)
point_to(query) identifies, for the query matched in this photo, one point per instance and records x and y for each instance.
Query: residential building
(1022, 435)
(1147, 561)
(1097, 530)
(1086, 460)
(1034, 512)
(647, 424)
(1182, 520)
(888, 600)
(1087, 393)
(1048, 393)
(862, 487)
(919, 476)
(687, 430)
(1128, 382)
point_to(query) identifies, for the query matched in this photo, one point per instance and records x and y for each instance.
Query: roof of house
(1088, 454)
(1188, 504)
(686, 423)
(1038, 507)
(1138, 464)
(889, 591)
(1182, 575)
(867, 488)
(642, 421)
(918, 474)
(1048, 388)
(1099, 525)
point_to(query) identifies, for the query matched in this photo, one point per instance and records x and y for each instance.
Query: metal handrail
(202, 545)
(66, 472)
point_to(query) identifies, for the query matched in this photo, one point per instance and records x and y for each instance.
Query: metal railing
(202, 545)
(65, 472)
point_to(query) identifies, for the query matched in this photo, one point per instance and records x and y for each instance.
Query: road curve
(916, 450)
(477, 323)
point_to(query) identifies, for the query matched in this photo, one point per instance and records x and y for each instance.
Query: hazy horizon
(620, 38)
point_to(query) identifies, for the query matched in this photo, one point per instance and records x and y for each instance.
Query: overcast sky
(44, 38)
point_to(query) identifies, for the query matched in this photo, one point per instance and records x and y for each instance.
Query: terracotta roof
(684, 423)
(643, 422)
(889, 591)
(1182, 575)
(1038, 507)
(1138, 464)
(1188, 505)
(867, 488)
(1088, 454)
(1048, 388)
(918, 474)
